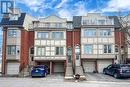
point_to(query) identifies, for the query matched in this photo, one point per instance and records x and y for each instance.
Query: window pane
(107, 48)
(40, 51)
(58, 25)
(43, 35)
(90, 32)
(88, 49)
(105, 32)
(101, 22)
(12, 33)
(11, 50)
(57, 35)
(59, 51)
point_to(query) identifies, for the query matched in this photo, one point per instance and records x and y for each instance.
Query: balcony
(13, 57)
(98, 22)
(50, 58)
(99, 56)
(48, 25)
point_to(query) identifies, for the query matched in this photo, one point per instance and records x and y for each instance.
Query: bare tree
(124, 24)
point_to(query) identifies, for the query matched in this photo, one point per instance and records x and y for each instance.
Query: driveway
(105, 78)
(56, 81)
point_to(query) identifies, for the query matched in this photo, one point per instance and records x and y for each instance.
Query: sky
(69, 8)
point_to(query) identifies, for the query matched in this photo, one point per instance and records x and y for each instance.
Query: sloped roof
(7, 22)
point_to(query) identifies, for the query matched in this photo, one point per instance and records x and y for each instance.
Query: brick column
(4, 67)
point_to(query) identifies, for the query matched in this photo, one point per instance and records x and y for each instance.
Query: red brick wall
(73, 39)
(119, 38)
(31, 38)
(76, 37)
(27, 41)
(4, 51)
(69, 39)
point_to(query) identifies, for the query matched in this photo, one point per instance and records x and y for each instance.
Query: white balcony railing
(48, 25)
(98, 22)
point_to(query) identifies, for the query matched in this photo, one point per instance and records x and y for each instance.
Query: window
(116, 48)
(57, 35)
(11, 49)
(32, 50)
(58, 25)
(43, 35)
(69, 26)
(59, 50)
(101, 22)
(47, 24)
(14, 17)
(107, 48)
(105, 32)
(12, 33)
(40, 51)
(88, 49)
(90, 33)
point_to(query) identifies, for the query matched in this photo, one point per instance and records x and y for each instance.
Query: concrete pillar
(50, 67)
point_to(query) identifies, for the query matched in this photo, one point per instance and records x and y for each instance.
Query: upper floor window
(105, 32)
(90, 33)
(14, 17)
(47, 24)
(40, 51)
(101, 22)
(12, 33)
(85, 22)
(116, 48)
(107, 48)
(43, 35)
(11, 49)
(69, 26)
(32, 50)
(88, 49)
(57, 35)
(58, 25)
(59, 50)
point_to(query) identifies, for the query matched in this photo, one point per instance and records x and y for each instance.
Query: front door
(69, 54)
(77, 56)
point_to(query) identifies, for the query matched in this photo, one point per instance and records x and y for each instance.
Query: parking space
(105, 78)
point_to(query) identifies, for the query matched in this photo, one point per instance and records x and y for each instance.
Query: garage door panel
(103, 64)
(89, 66)
(13, 68)
(59, 67)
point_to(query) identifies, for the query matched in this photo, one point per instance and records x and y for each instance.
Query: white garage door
(89, 66)
(101, 64)
(13, 68)
(58, 67)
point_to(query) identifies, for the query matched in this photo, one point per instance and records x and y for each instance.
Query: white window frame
(12, 33)
(89, 49)
(60, 51)
(59, 37)
(106, 48)
(105, 32)
(40, 51)
(11, 49)
(90, 32)
(41, 35)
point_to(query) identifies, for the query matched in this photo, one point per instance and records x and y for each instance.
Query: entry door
(77, 56)
(69, 51)
(77, 60)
